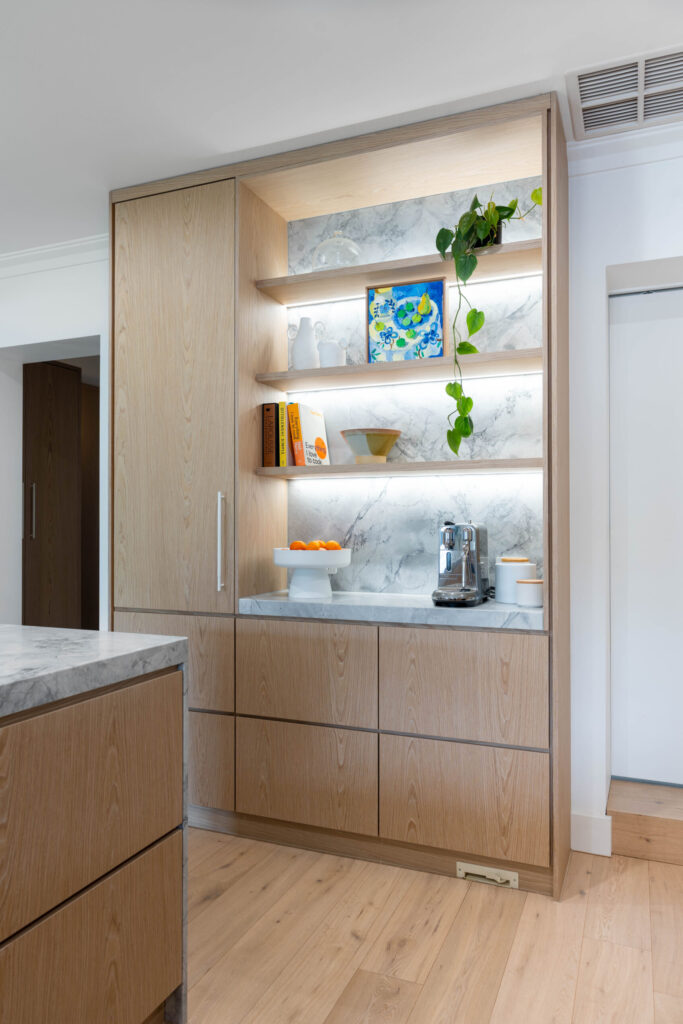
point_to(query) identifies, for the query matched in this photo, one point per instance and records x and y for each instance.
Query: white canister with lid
(530, 593)
(508, 571)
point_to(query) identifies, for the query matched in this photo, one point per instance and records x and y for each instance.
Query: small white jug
(332, 353)
(304, 349)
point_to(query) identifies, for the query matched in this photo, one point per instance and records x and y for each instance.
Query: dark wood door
(52, 496)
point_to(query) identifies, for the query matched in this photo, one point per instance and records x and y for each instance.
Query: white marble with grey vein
(394, 608)
(39, 665)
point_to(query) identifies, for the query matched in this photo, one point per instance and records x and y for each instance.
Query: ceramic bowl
(370, 444)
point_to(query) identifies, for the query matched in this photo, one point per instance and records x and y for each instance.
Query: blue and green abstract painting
(405, 321)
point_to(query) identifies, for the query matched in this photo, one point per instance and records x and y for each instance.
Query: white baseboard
(592, 833)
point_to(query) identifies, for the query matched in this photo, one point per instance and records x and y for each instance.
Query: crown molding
(94, 249)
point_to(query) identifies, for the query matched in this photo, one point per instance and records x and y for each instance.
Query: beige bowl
(370, 444)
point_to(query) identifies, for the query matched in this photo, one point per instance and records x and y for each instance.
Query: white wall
(47, 295)
(626, 205)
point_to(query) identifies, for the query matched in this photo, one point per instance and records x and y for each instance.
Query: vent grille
(664, 104)
(627, 95)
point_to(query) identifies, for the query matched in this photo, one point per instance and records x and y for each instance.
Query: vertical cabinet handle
(33, 511)
(220, 585)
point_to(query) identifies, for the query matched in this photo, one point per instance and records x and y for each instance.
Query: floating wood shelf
(383, 469)
(512, 259)
(411, 371)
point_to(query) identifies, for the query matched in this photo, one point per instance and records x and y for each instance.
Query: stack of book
(293, 435)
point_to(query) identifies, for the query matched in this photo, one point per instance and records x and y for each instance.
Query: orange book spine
(297, 440)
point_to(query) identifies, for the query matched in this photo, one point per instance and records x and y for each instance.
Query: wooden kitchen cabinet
(173, 392)
(112, 953)
(307, 774)
(211, 759)
(485, 686)
(85, 787)
(211, 663)
(308, 671)
(488, 801)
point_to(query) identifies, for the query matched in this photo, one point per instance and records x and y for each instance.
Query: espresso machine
(463, 565)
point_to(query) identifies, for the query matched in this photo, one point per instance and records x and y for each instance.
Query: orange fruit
(297, 545)
(315, 545)
(331, 545)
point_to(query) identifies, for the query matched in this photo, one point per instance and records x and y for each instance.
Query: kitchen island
(92, 889)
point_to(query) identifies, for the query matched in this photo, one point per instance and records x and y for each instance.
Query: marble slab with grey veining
(408, 609)
(39, 666)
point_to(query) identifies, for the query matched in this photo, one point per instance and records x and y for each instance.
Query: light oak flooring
(286, 936)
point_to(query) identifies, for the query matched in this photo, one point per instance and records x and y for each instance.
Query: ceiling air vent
(627, 95)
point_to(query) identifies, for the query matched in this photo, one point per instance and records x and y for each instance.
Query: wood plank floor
(285, 936)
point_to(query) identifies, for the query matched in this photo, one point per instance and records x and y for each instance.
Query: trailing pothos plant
(478, 228)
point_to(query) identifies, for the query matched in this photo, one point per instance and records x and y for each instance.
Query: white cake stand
(311, 577)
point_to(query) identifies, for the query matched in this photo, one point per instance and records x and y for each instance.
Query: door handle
(33, 511)
(220, 585)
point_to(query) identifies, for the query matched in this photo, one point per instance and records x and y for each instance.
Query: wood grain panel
(647, 821)
(475, 686)
(307, 774)
(173, 399)
(309, 671)
(261, 332)
(113, 953)
(83, 788)
(211, 665)
(212, 760)
(483, 800)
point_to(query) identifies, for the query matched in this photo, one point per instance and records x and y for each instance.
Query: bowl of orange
(312, 562)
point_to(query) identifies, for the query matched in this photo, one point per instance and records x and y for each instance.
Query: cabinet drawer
(491, 687)
(212, 760)
(491, 801)
(84, 788)
(113, 953)
(308, 774)
(308, 671)
(211, 642)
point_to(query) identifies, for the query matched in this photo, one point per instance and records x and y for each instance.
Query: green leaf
(443, 241)
(465, 265)
(464, 426)
(537, 196)
(454, 438)
(483, 229)
(505, 212)
(459, 246)
(465, 405)
(454, 389)
(475, 321)
(466, 348)
(475, 203)
(467, 221)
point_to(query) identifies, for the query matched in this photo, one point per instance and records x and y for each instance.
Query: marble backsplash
(507, 414)
(392, 524)
(513, 308)
(401, 230)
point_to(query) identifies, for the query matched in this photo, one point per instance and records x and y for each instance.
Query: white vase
(332, 353)
(304, 353)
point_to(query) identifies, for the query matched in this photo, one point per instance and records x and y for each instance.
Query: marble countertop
(414, 609)
(39, 665)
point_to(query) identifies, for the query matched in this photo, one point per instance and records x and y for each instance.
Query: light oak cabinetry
(491, 801)
(84, 788)
(173, 395)
(490, 687)
(212, 760)
(308, 671)
(112, 953)
(308, 774)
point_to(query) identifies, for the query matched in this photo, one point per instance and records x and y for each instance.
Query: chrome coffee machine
(463, 565)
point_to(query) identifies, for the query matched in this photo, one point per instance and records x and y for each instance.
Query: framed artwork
(406, 321)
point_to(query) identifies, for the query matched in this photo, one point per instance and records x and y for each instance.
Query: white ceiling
(95, 96)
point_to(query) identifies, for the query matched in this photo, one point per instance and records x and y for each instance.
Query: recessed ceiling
(95, 96)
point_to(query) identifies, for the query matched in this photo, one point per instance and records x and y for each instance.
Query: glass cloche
(336, 251)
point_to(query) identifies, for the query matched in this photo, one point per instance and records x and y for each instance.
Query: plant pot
(496, 240)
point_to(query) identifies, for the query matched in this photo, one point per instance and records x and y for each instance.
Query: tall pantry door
(173, 488)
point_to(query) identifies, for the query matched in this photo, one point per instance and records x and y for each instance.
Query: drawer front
(490, 687)
(113, 953)
(307, 774)
(212, 760)
(85, 787)
(308, 671)
(211, 642)
(491, 801)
